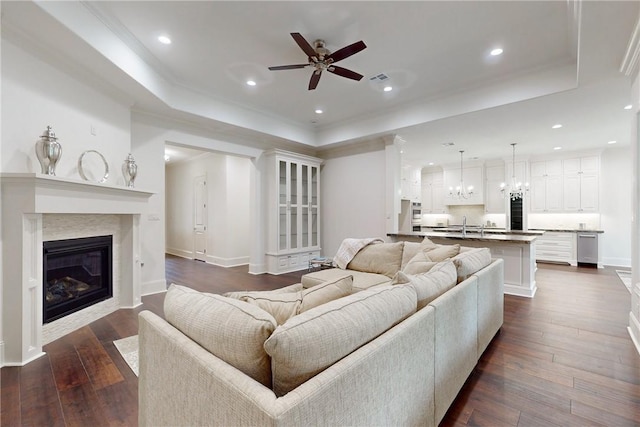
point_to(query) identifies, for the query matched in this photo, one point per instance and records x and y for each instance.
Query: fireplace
(77, 273)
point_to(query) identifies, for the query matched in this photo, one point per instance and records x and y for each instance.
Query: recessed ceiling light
(497, 51)
(556, 126)
(387, 89)
(611, 142)
(164, 39)
(167, 157)
(319, 111)
(430, 163)
(628, 107)
(251, 83)
(557, 148)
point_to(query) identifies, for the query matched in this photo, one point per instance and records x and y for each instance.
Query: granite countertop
(568, 230)
(488, 230)
(450, 235)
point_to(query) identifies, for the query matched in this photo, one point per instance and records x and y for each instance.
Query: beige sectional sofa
(345, 350)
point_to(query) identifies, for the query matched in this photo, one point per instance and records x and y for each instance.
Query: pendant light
(461, 191)
(515, 190)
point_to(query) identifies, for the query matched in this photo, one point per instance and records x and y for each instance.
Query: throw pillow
(281, 305)
(409, 250)
(309, 343)
(291, 288)
(420, 263)
(382, 258)
(232, 330)
(432, 284)
(427, 243)
(325, 292)
(469, 262)
(440, 253)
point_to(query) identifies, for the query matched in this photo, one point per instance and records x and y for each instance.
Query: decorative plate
(92, 166)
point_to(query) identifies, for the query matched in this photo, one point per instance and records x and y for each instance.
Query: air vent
(380, 77)
(448, 144)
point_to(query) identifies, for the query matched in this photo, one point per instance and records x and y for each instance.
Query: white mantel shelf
(52, 194)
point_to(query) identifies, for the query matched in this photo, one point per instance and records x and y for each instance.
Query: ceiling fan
(321, 59)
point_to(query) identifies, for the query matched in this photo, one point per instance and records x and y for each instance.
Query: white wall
(35, 95)
(352, 198)
(616, 206)
(147, 147)
(228, 182)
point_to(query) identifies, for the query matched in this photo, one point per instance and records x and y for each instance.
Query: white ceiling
(560, 65)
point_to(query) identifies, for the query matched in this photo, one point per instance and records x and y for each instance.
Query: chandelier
(461, 192)
(515, 190)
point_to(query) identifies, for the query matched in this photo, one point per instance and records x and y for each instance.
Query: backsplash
(476, 216)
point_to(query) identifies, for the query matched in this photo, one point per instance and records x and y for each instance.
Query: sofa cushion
(469, 262)
(232, 330)
(325, 292)
(431, 284)
(284, 305)
(361, 279)
(427, 243)
(291, 288)
(442, 252)
(409, 250)
(314, 340)
(420, 263)
(381, 258)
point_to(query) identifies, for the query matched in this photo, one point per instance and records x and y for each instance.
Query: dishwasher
(587, 248)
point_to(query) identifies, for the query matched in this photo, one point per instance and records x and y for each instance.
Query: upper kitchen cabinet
(472, 176)
(294, 209)
(410, 184)
(580, 184)
(433, 193)
(494, 201)
(546, 186)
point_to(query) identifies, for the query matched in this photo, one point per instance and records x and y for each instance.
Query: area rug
(625, 276)
(128, 348)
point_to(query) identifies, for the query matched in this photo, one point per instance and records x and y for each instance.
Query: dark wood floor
(563, 358)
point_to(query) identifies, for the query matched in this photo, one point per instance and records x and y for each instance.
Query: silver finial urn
(129, 170)
(48, 151)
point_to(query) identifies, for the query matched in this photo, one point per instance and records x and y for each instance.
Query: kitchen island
(517, 249)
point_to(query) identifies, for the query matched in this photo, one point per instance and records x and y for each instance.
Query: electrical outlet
(93, 130)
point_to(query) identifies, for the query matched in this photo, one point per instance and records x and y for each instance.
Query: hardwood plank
(10, 397)
(39, 400)
(100, 368)
(68, 371)
(605, 418)
(81, 407)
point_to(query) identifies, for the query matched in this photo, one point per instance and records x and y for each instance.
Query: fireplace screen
(76, 274)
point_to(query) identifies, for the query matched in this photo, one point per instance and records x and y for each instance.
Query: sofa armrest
(387, 381)
(456, 334)
(490, 302)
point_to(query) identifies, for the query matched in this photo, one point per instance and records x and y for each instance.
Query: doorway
(200, 218)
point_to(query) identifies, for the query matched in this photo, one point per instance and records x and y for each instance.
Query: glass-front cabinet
(294, 234)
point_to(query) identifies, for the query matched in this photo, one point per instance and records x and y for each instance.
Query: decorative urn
(48, 151)
(129, 170)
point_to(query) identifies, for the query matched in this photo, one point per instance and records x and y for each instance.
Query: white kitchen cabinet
(294, 209)
(411, 184)
(546, 186)
(472, 176)
(433, 193)
(494, 201)
(556, 246)
(581, 184)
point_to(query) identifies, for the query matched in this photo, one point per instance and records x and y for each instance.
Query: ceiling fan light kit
(321, 59)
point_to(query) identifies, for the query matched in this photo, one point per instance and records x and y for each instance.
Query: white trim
(634, 331)
(227, 262)
(519, 291)
(179, 253)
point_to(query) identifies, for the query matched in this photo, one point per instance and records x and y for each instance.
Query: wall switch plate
(153, 217)
(93, 130)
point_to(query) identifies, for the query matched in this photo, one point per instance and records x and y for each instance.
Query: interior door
(200, 218)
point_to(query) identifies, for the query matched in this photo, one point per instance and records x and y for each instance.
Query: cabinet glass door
(282, 227)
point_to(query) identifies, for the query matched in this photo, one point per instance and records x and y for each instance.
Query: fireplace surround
(36, 206)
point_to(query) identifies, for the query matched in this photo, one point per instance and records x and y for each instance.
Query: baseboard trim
(519, 291)
(154, 287)
(179, 252)
(616, 262)
(227, 262)
(24, 362)
(634, 331)
(1, 354)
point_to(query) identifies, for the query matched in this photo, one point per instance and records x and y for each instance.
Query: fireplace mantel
(26, 198)
(51, 194)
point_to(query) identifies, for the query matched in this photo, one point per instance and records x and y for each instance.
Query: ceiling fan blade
(304, 45)
(315, 78)
(288, 67)
(344, 72)
(347, 51)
